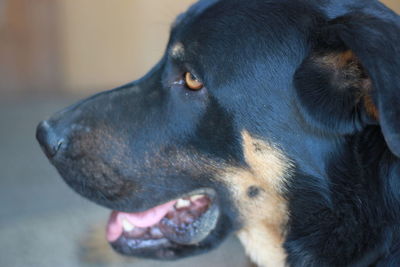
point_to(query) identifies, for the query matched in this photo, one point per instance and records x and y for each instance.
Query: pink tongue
(141, 219)
(149, 217)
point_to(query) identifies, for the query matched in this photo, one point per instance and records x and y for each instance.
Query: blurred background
(53, 52)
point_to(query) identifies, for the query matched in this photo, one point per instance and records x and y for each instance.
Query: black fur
(262, 66)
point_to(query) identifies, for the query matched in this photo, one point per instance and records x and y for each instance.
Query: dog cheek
(258, 195)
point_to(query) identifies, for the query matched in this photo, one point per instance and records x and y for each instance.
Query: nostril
(48, 139)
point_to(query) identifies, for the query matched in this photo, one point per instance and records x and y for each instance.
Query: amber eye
(192, 82)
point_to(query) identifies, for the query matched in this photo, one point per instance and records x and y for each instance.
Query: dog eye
(192, 82)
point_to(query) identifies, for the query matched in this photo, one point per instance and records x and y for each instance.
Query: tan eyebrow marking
(177, 51)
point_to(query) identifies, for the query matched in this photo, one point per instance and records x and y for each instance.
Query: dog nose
(48, 139)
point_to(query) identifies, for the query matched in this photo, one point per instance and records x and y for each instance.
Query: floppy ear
(352, 77)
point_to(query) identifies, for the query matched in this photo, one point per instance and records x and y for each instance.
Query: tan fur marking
(337, 60)
(264, 217)
(370, 107)
(369, 104)
(345, 69)
(346, 58)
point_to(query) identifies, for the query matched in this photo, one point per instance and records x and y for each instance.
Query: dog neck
(346, 217)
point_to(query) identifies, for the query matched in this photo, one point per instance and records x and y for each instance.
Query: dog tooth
(196, 197)
(127, 225)
(182, 203)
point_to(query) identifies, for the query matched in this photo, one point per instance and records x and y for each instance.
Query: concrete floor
(44, 223)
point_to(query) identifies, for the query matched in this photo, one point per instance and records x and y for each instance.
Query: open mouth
(158, 231)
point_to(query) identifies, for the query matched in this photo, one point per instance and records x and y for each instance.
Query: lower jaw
(168, 248)
(153, 249)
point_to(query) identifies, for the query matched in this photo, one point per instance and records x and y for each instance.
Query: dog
(276, 120)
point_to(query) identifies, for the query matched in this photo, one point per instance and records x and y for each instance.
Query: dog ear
(352, 77)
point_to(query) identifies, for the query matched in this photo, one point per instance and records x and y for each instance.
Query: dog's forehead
(201, 6)
(246, 31)
(194, 10)
(206, 23)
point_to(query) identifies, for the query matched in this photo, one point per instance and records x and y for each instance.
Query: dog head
(247, 95)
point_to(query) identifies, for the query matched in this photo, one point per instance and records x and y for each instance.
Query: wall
(29, 55)
(395, 4)
(115, 41)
